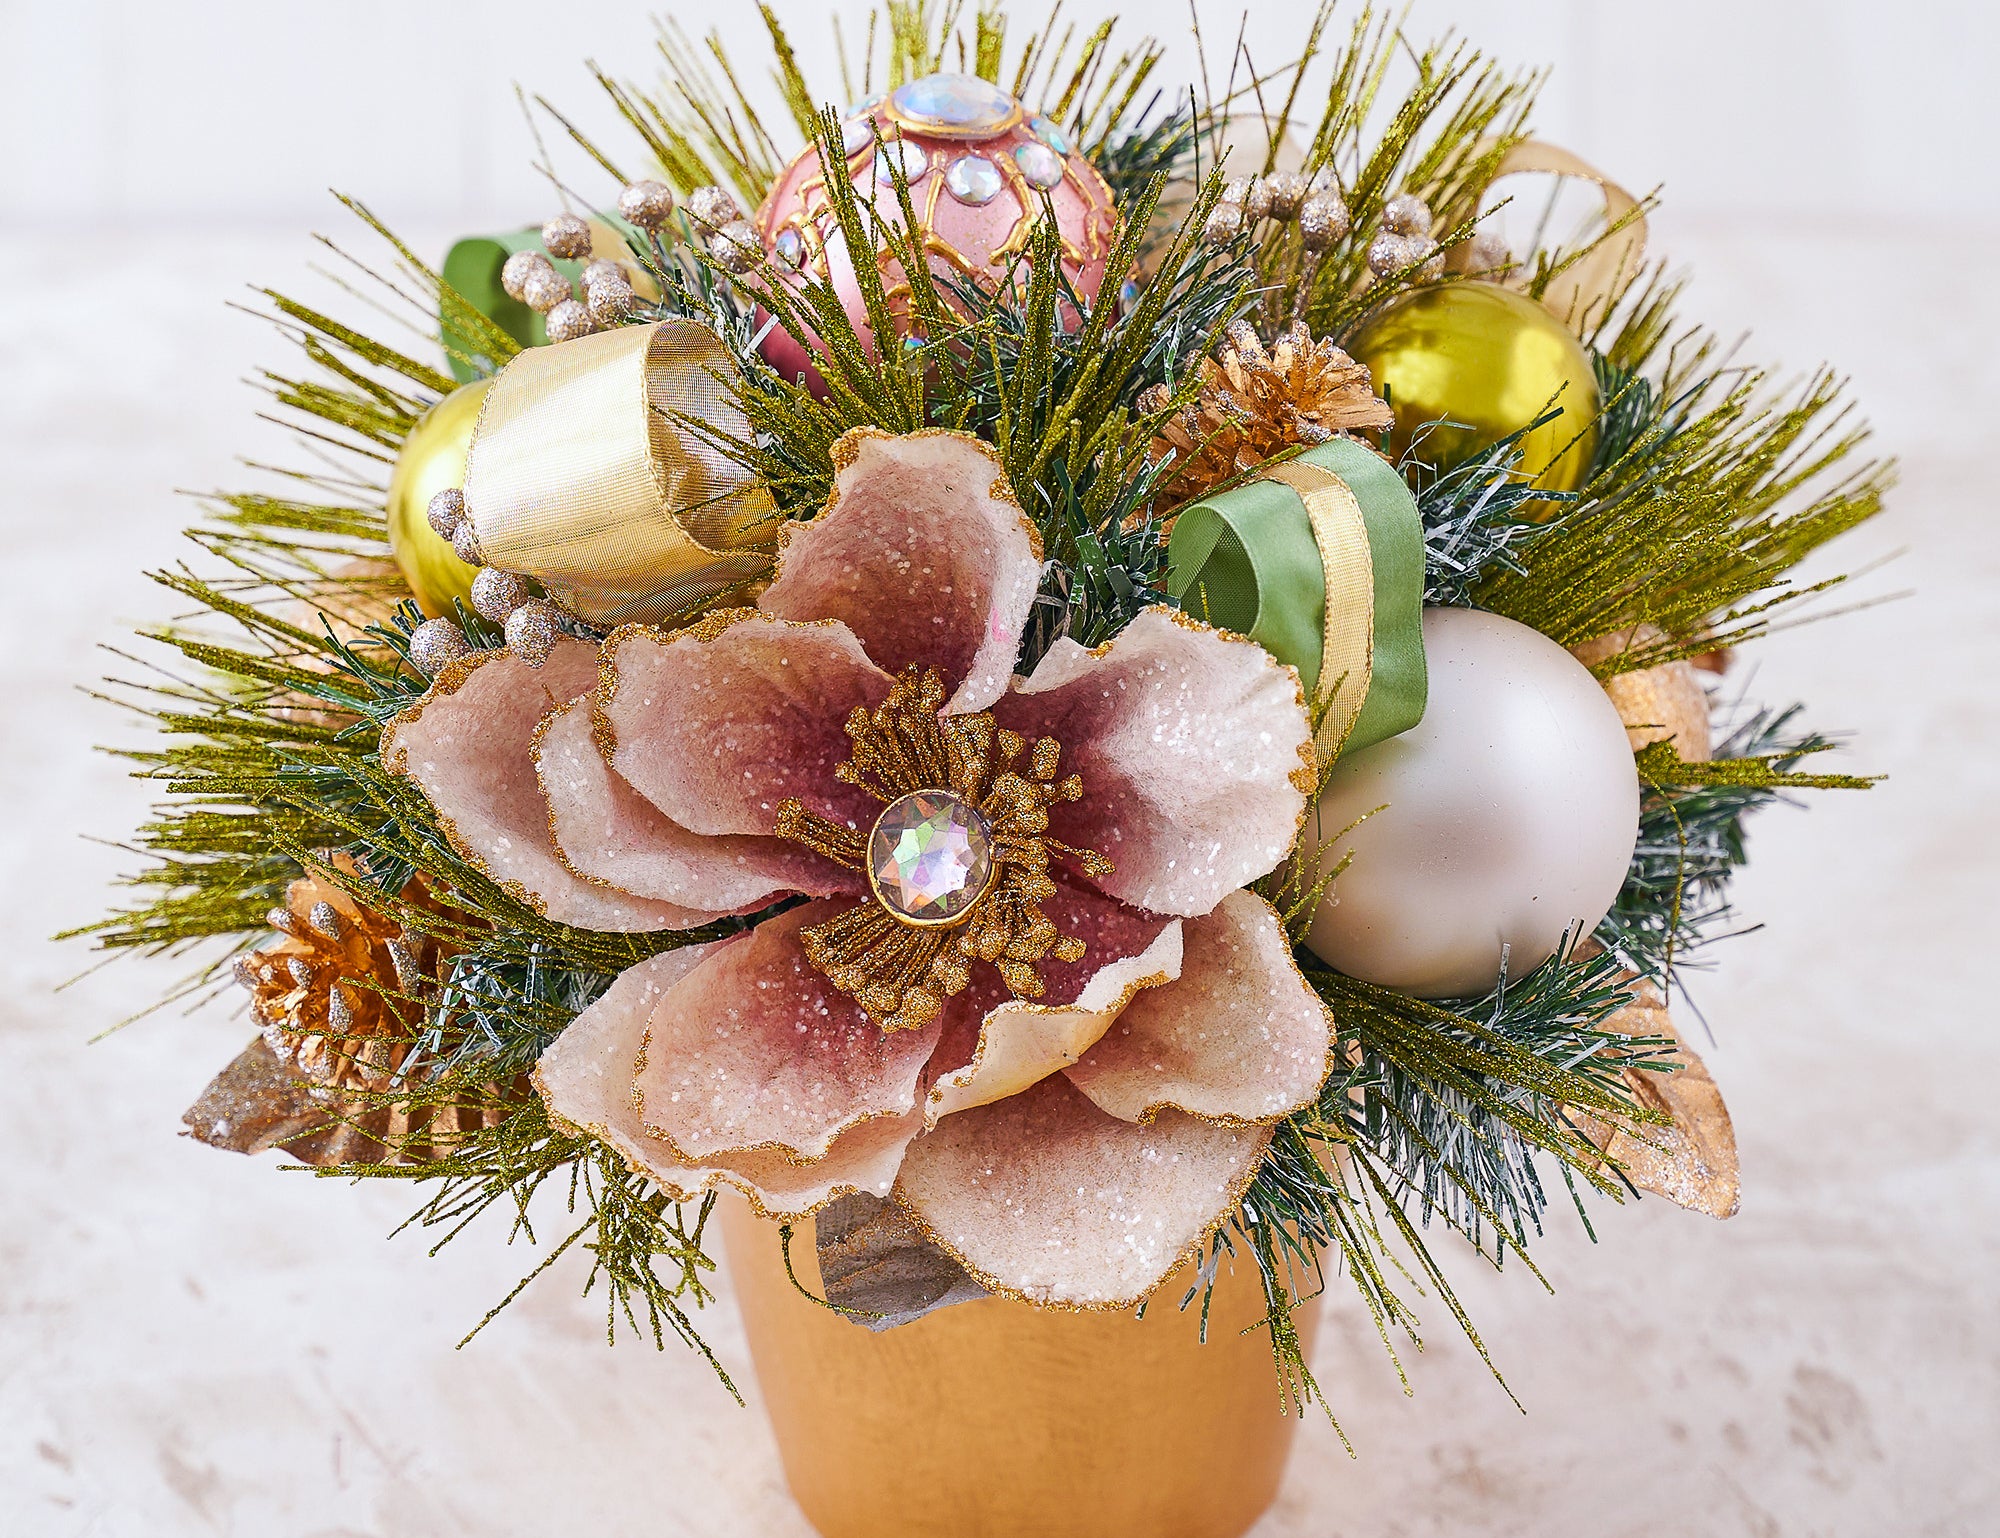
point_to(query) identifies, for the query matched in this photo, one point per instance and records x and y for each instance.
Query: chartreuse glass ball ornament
(1504, 818)
(433, 458)
(1483, 362)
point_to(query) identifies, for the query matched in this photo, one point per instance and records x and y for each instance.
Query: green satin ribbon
(472, 267)
(1321, 561)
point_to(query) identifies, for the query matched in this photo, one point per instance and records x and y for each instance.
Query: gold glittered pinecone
(1256, 402)
(335, 994)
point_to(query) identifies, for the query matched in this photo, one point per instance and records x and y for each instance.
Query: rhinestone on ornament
(930, 857)
(973, 180)
(790, 247)
(911, 158)
(856, 134)
(1049, 134)
(1041, 165)
(953, 107)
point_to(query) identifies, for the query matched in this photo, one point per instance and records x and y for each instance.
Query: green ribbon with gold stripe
(1321, 561)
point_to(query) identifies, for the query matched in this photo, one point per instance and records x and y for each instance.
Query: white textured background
(193, 1344)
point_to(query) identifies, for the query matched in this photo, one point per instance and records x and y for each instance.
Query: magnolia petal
(1021, 1043)
(1195, 753)
(585, 1077)
(924, 554)
(606, 831)
(1044, 1198)
(1240, 1037)
(717, 724)
(755, 1050)
(1692, 1160)
(469, 744)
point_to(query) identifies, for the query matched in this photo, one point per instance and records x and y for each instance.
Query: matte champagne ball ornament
(1504, 817)
(432, 462)
(1486, 362)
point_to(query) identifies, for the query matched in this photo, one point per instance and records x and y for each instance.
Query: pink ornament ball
(978, 165)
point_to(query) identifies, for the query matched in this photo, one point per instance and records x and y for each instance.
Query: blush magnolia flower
(1026, 993)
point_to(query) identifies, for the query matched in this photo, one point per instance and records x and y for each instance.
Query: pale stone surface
(193, 1343)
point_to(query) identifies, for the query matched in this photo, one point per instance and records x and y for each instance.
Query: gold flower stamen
(899, 970)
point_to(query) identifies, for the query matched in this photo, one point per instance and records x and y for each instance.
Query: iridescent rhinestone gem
(1041, 165)
(1049, 134)
(911, 158)
(930, 857)
(973, 179)
(856, 134)
(953, 106)
(789, 245)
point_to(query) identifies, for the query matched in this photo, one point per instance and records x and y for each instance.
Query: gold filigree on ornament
(897, 970)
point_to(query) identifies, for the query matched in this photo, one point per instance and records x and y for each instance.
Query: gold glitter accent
(901, 973)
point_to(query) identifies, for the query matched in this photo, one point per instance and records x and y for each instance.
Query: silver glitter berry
(1237, 189)
(544, 289)
(604, 270)
(1322, 181)
(444, 511)
(1288, 192)
(326, 919)
(1406, 214)
(1257, 201)
(1323, 220)
(1389, 253)
(516, 270)
(531, 631)
(736, 246)
(568, 321)
(610, 300)
(1225, 223)
(465, 544)
(713, 207)
(1487, 252)
(497, 594)
(435, 643)
(568, 236)
(647, 204)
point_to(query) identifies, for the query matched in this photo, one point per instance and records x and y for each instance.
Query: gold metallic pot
(992, 1419)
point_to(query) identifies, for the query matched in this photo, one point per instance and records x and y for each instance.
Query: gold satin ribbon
(585, 474)
(1589, 287)
(1348, 657)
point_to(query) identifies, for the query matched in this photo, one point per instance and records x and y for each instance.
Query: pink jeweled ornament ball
(979, 164)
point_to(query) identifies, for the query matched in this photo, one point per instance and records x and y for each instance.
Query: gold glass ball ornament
(1488, 361)
(433, 458)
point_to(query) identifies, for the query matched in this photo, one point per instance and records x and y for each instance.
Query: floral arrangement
(1089, 681)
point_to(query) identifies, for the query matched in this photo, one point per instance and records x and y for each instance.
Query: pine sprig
(1440, 1111)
